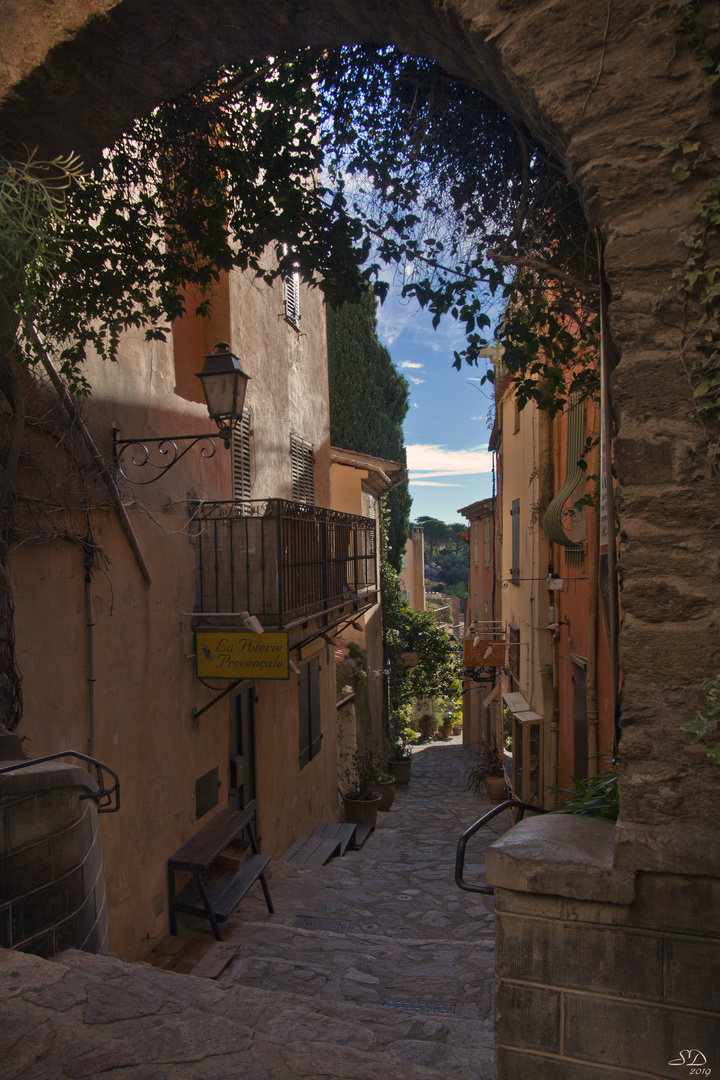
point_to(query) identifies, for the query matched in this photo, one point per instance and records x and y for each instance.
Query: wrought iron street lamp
(224, 384)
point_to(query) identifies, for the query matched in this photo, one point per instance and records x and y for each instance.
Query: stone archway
(605, 91)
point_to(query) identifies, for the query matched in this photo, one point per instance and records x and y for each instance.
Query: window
(302, 465)
(515, 520)
(310, 733)
(292, 298)
(487, 541)
(241, 482)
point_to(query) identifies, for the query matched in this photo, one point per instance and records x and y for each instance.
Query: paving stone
(294, 1004)
(185, 1039)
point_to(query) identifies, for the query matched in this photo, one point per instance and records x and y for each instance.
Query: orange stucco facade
(107, 657)
(544, 596)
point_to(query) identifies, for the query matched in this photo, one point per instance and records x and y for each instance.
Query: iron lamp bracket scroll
(224, 384)
(160, 454)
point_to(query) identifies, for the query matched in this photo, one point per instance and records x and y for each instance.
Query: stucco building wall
(144, 683)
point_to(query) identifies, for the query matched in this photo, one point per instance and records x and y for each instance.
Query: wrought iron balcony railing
(284, 562)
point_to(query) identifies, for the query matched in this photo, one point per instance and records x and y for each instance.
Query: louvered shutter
(302, 464)
(487, 541)
(515, 518)
(241, 482)
(292, 298)
(304, 715)
(315, 711)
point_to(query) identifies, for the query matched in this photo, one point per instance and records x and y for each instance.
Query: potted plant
(428, 725)
(399, 760)
(384, 786)
(487, 772)
(360, 802)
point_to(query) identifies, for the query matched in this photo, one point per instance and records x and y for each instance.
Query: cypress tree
(368, 402)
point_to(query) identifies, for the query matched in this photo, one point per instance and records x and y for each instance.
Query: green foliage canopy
(336, 163)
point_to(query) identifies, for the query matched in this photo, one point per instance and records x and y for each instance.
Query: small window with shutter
(241, 477)
(302, 464)
(292, 298)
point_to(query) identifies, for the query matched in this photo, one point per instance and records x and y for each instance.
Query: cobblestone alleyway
(402, 976)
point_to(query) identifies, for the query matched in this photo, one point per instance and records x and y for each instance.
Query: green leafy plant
(596, 796)
(364, 771)
(487, 764)
(704, 727)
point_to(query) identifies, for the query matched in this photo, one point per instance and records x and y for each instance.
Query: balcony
(289, 564)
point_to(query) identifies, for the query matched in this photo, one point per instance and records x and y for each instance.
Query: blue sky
(446, 430)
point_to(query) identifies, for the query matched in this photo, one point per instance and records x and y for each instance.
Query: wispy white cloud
(410, 364)
(426, 461)
(431, 483)
(415, 405)
(415, 381)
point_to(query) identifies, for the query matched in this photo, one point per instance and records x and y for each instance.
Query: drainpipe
(593, 518)
(89, 663)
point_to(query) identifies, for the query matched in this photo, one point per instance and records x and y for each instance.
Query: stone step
(365, 968)
(88, 1016)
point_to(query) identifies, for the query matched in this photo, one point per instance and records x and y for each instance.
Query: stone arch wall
(605, 91)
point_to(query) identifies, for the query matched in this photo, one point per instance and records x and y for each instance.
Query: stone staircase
(100, 1017)
(398, 982)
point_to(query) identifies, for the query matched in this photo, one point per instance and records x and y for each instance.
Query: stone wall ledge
(47, 776)
(668, 849)
(561, 855)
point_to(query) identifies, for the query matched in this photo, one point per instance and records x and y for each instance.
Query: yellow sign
(486, 653)
(231, 655)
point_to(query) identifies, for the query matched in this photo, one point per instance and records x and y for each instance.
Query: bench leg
(266, 893)
(206, 903)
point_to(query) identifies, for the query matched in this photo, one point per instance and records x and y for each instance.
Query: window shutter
(292, 298)
(315, 712)
(515, 518)
(302, 464)
(241, 483)
(304, 715)
(475, 543)
(309, 714)
(487, 541)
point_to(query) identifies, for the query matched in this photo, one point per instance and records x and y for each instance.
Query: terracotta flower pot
(400, 770)
(361, 811)
(445, 731)
(386, 790)
(496, 788)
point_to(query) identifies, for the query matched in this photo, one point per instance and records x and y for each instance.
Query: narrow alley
(397, 971)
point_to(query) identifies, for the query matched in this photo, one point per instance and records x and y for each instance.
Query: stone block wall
(600, 974)
(52, 887)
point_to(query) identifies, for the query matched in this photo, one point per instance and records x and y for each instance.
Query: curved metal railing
(508, 804)
(108, 798)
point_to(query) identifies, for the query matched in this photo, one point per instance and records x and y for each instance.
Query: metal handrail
(104, 796)
(462, 842)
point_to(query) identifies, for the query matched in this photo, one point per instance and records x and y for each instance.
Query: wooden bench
(214, 891)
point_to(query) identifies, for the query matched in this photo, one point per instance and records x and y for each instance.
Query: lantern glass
(224, 384)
